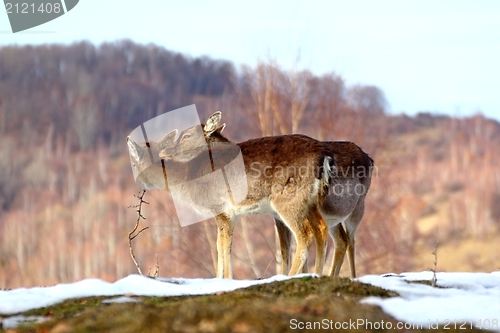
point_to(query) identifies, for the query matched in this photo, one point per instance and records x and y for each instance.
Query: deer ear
(212, 123)
(168, 139)
(133, 148)
(221, 128)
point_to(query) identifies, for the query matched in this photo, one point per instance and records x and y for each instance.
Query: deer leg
(284, 236)
(341, 243)
(220, 251)
(304, 240)
(351, 225)
(305, 268)
(320, 230)
(344, 240)
(225, 229)
(303, 236)
(350, 256)
(295, 214)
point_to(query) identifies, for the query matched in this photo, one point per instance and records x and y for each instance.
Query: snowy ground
(465, 299)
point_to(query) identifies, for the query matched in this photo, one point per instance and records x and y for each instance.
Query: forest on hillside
(66, 180)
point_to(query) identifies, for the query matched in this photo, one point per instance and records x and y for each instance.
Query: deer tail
(326, 174)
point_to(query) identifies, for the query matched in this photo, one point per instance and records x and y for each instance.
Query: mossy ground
(262, 308)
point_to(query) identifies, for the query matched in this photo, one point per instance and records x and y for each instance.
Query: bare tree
(85, 121)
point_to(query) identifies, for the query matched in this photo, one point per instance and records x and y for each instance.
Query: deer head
(142, 155)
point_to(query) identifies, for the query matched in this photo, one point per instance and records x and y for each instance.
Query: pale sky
(441, 56)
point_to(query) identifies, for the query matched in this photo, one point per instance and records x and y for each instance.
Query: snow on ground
(472, 297)
(464, 298)
(24, 299)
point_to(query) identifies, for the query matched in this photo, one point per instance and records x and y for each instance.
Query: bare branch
(131, 235)
(157, 269)
(434, 278)
(137, 234)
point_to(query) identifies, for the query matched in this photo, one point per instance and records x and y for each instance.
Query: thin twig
(434, 277)
(157, 267)
(264, 274)
(131, 235)
(137, 234)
